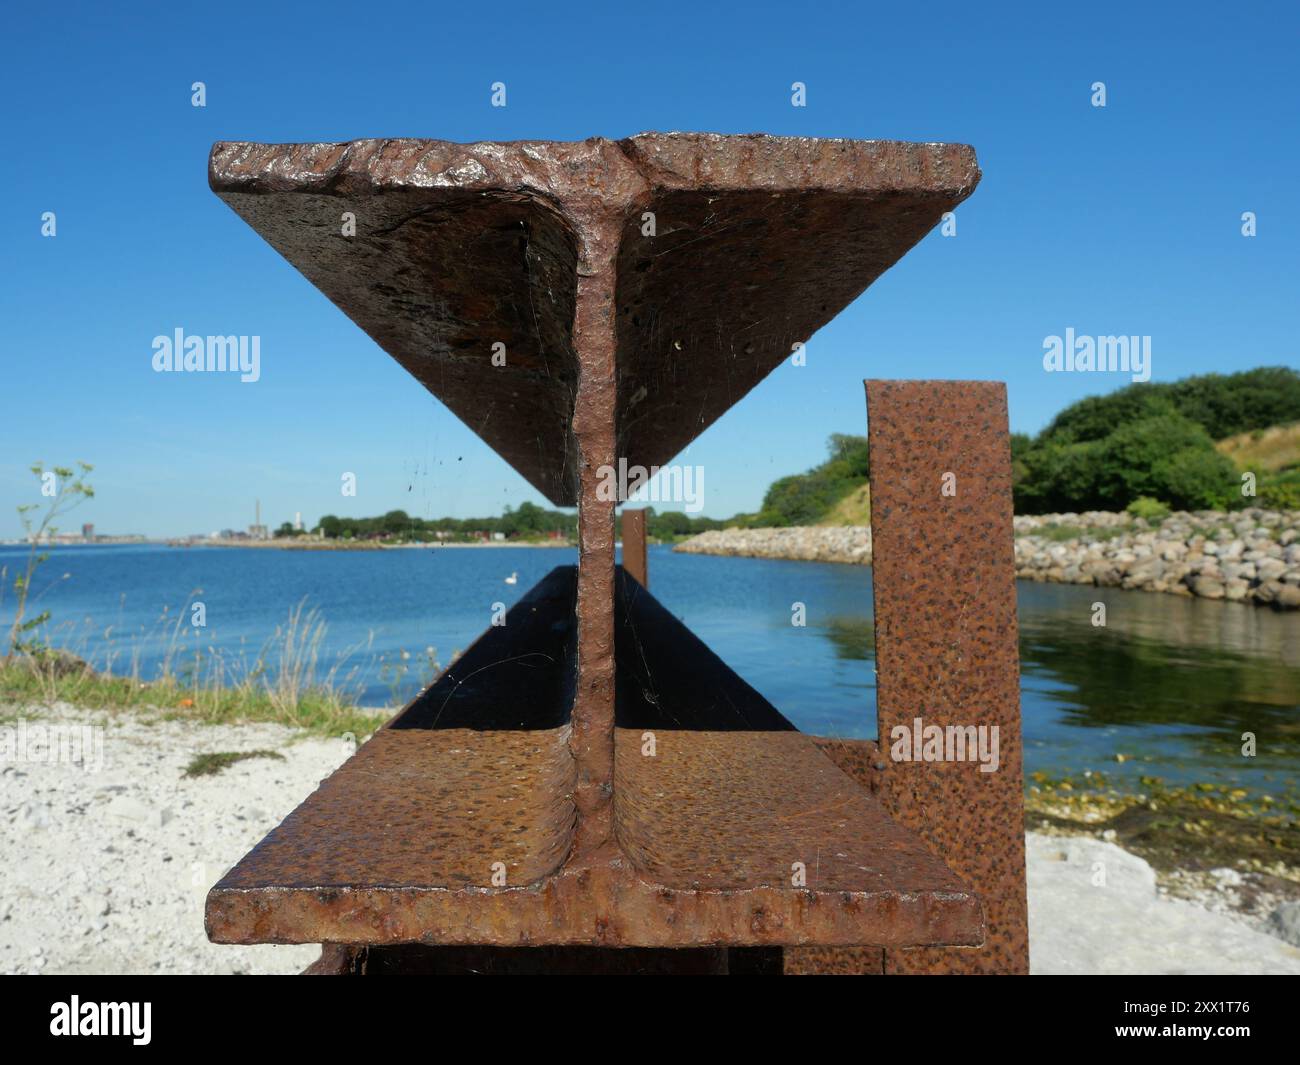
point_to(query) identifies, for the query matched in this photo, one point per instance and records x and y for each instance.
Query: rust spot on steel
(634, 547)
(622, 341)
(833, 961)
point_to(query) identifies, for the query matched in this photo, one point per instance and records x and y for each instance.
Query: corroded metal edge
(947, 650)
(703, 161)
(604, 905)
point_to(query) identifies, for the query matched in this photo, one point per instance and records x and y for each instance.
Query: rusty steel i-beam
(590, 775)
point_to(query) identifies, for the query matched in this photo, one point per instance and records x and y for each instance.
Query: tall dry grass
(286, 681)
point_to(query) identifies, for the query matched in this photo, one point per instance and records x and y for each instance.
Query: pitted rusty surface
(734, 810)
(946, 644)
(860, 759)
(594, 420)
(833, 961)
(428, 807)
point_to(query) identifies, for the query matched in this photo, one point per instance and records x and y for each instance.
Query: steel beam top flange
(709, 255)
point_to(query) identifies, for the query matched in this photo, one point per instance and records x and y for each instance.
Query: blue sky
(1115, 220)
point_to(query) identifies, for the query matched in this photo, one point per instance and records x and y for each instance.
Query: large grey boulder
(1284, 922)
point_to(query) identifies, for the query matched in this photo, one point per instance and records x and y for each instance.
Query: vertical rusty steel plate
(946, 642)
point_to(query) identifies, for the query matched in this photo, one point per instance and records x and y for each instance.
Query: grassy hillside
(1270, 450)
(853, 509)
(1273, 455)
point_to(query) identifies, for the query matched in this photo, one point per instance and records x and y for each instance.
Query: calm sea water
(1171, 683)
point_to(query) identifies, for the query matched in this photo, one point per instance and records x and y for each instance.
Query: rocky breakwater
(1246, 556)
(848, 543)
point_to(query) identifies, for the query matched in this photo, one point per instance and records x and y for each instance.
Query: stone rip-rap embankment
(1245, 556)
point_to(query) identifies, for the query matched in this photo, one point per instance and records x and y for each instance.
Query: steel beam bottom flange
(722, 836)
(602, 905)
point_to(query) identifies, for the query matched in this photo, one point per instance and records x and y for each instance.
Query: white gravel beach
(105, 871)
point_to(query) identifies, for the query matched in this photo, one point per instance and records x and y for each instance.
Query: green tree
(1227, 404)
(395, 523)
(1059, 476)
(669, 524)
(1167, 457)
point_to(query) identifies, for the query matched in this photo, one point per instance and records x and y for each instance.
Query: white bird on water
(513, 578)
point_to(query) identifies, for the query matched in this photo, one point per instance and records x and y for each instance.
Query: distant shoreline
(288, 545)
(363, 545)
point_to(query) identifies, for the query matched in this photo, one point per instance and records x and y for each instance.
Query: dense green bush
(1281, 491)
(1096, 417)
(1148, 508)
(1153, 440)
(1167, 457)
(1222, 404)
(1229, 404)
(1197, 479)
(1058, 477)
